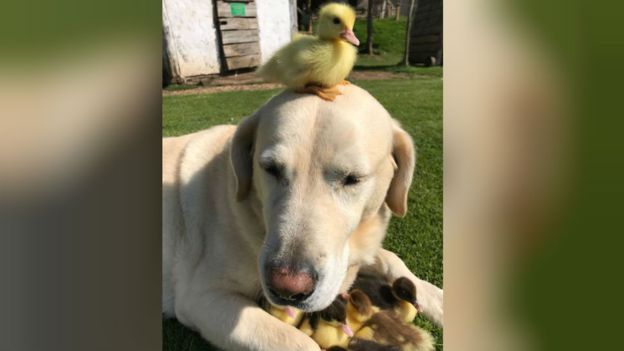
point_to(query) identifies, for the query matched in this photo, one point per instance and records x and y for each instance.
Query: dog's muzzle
(289, 284)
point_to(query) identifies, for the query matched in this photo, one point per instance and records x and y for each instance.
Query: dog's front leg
(233, 322)
(429, 296)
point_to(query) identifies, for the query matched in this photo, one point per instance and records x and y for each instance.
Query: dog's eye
(336, 20)
(273, 169)
(350, 179)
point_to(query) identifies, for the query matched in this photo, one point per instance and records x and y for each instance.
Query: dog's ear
(404, 158)
(241, 155)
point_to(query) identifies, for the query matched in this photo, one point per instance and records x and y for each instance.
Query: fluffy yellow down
(323, 60)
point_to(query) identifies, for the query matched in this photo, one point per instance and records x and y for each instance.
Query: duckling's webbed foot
(344, 82)
(328, 94)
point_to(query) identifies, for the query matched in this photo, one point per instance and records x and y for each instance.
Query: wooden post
(398, 12)
(309, 10)
(408, 35)
(294, 23)
(369, 28)
(384, 3)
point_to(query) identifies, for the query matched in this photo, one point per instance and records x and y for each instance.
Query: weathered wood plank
(425, 47)
(223, 9)
(238, 23)
(239, 36)
(242, 62)
(241, 49)
(429, 30)
(420, 39)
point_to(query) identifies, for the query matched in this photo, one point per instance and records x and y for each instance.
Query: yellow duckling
(328, 327)
(306, 328)
(399, 297)
(332, 333)
(317, 64)
(286, 314)
(405, 291)
(359, 309)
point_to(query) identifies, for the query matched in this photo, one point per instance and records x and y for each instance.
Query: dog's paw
(431, 301)
(286, 339)
(291, 339)
(305, 343)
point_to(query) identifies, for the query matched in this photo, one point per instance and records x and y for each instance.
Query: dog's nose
(290, 284)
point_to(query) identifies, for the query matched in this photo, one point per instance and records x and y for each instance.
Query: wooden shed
(426, 33)
(203, 38)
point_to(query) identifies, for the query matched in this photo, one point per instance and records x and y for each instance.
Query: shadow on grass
(375, 67)
(177, 337)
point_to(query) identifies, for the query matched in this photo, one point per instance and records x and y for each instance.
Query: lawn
(388, 42)
(416, 103)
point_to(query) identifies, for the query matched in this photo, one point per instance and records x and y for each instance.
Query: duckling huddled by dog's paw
(373, 316)
(399, 297)
(329, 327)
(407, 306)
(385, 330)
(389, 329)
(359, 309)
(286, 314)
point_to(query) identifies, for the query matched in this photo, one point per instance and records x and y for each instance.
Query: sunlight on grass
(388, 42)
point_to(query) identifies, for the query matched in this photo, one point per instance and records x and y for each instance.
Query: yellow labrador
(291, 204)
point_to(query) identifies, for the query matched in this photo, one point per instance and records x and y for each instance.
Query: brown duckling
(387, 329)
(359, 309)
(399, 297)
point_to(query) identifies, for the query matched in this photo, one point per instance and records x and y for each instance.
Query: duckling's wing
(269, 70)
(358, 344)
(298, 61)
(304, 59)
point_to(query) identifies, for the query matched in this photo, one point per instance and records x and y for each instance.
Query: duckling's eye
(336, 20)
(350, 179)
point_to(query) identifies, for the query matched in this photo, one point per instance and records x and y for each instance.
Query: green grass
(176, 87)
(388, 42)
(189, 113)
(415, 71)
(416, 103)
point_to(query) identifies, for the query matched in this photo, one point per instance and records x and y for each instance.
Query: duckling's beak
(290, 311)
(347, 330)
(348, 35)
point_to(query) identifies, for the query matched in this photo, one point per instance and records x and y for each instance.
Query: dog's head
(317, 170)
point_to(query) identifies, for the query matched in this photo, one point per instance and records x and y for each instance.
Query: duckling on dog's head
(314, 172)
